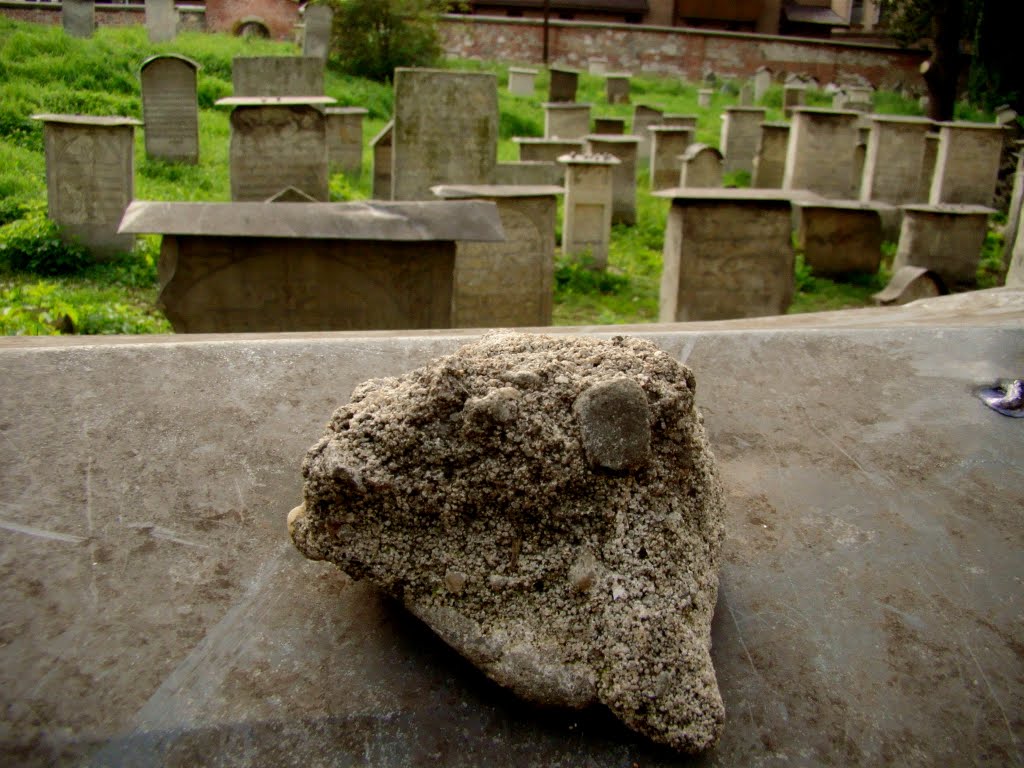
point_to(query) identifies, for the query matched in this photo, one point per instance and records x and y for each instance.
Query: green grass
(42, 70)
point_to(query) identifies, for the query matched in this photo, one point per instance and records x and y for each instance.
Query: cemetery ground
(47, 287)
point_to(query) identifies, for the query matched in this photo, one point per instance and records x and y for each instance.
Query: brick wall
(682, 52)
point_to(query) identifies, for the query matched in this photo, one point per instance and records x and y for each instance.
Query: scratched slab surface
(152, 610)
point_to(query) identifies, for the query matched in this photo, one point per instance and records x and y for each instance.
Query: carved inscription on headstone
(277, 76)
(169, 108)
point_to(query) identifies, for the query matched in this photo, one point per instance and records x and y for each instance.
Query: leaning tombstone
(586, 228)
(446, 130)
(945, 238)
(277, 76)
(727, 254)
(770, 158)
(381, 145)
(820, 155)
(839, 237)
(90, 177)
(701, 167)
(910, 284)
(643, 118)
(161, 20)
(170, 109)
(563, 84)
(316, 38)
(566, 120)
(507, 283)
(741, 131)
(967, 163)
(617, 88)
(894, 159)
(668, 142)
(276, 142)
(78, 17)
(345, 139)
(623, 174)
(237, 267)
(521, 81)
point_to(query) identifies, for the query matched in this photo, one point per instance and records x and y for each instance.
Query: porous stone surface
(550, 507)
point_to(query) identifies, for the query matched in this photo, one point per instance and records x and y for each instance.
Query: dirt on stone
(550, 507)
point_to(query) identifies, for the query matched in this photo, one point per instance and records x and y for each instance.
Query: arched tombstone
(170, 110)
(701, 167)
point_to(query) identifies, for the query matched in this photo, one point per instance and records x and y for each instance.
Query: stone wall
(675, 51)
(191, 17)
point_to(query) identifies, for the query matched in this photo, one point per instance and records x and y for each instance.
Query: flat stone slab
(274, 101)
(464, 191)
(102, 121)
(736, 194)
(156, 613)
(431, 220)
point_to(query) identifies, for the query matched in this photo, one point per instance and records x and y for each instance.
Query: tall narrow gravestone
(381, 144)
(508, 283)
(78, 17)
(446, 130)
(643, 118)
(668, 142)
(161, 20)
(820, 155)
(277, 76)
(316, 40)
(345, 139)
(967, 163)
(587, 226)
(894, 158)
(770, 158)
(741, 130)
(275, 143)
(623, 174)
(170, 109)
(762, 82)
(617, 88)
(90, 177)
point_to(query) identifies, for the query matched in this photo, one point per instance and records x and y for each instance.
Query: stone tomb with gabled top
(234, 267)
(277, 76)
(170, 108)
(727, 254)
(278, 142)
(508, 283)
(90, 177)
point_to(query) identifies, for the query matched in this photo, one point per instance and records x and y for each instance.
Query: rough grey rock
(550, 507)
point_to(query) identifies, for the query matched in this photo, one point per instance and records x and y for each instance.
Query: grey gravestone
(704, 97)
(382, 151)
(1016, 204)
(1015, 268)
(446, 130)
(610, 125)
(623, 174)
(90, 177)
(316, 40)
(894, 159)
(78, 17)
(563, 84)
(727, 254)
(234, 267)
(521, 81)
(565, 120)
(701, 167)
(536, 149)
(617, 88)
(345, 139)
(508, 283)
(910, 284)
(529, 173)
(770, 160)
(839, 237)
(587, 223)
(278, 142)
(820, 155)
(762, 82)
(668, 142)
(967, 163)
(946, 239)
(643, 118)
(683, 120)
(161, 20)
(169, 108)
(741, 131)
(277, 76)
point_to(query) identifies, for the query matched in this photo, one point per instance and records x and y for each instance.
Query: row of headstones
(78, 18)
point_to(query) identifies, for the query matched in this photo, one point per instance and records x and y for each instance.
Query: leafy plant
(34, 244)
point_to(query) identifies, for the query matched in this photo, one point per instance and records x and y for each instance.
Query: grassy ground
(42, 70)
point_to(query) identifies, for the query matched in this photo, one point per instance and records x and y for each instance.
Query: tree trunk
(942, 71)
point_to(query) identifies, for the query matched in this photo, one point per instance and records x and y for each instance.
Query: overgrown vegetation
(51, 285)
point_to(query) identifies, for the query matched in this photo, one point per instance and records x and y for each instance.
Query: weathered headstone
(78, 17)
(701, 167)
(597, 65)
(770, 159)
(587, 223)
(668, 142)
(161, 20)
(727, 254)
(610, 126)
(895, 156)
(566, 120)
(945, 238)
(545, 150)
(563, 84)
(345, 139)
(793, 95)
(508, 283)
(276, 142)
(741, 132)
(931, 151)
(170, 108)
(967, 163)
(910, 284)
(446, 130)
(521, 81)
(529, 173)
(623, 174)
(381, 144)
(762, 82)
(316, 39)
(643, 118)
(90, 177)
(820, 155)
(617, 88)
(704, 97)
(235, 267)
(839, 237)
(685, 121)
(747, 95)
(289, 76)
